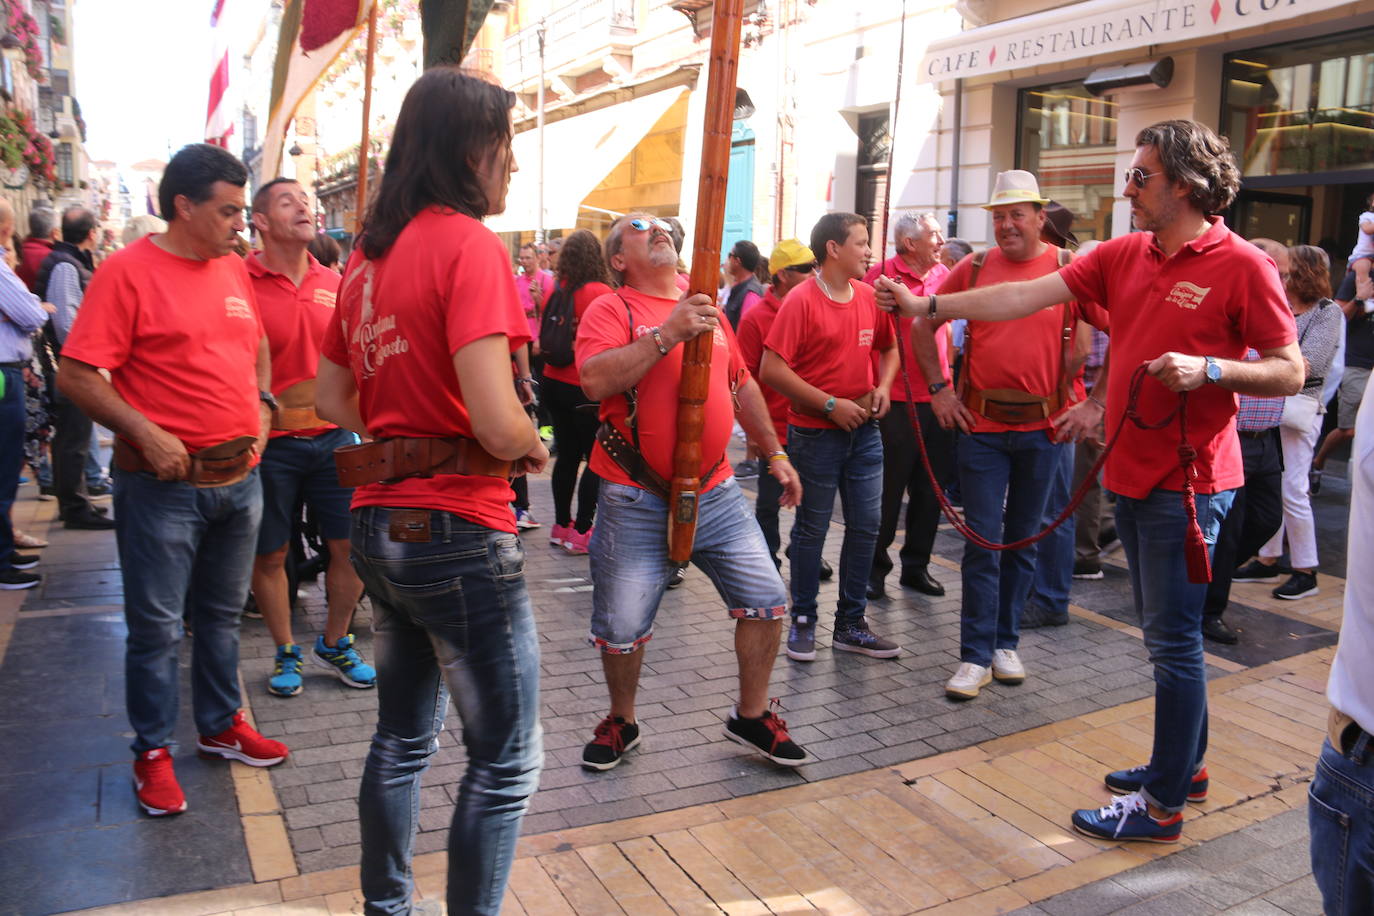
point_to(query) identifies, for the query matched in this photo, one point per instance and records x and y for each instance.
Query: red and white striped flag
(219, 116)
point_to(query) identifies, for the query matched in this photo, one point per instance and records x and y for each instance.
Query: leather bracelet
(931, 312)
(658, 341)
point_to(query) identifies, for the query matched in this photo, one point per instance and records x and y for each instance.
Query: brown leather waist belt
(389, 460)
(864, 400)
(628, 458)
(296, 418)
(1342, 730)
(1008, 405)
(215, 466)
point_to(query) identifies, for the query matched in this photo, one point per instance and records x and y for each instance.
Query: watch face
(1213, 370)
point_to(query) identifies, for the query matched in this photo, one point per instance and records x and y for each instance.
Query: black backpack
(558, 329)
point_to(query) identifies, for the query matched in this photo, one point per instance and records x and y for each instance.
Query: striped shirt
(20, 315)
(1256, 414)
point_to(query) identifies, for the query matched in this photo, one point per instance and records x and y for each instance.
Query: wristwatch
(936, 387)
(1212, 372)
(829, 406)
(271, 402)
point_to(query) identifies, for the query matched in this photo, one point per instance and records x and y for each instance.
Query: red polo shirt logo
(1187, 295)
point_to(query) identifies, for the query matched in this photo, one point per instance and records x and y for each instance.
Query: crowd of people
(406, 402)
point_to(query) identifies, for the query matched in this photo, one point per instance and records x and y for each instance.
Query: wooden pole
(363, 157)
(694, 386)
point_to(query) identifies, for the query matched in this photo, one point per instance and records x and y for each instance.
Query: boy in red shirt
(174, 320)
(819, 355)
(296, 298)
(1186, 296)
(628, 352)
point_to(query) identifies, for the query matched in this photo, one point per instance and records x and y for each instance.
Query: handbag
(1299, 412)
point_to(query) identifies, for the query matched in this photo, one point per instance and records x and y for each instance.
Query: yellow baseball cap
(789, 253)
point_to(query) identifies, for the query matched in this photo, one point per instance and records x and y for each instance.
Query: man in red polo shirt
(917, 264)
(628, 352)
(174, 320)
(296, 300)
(819, 355)
(1186, 296)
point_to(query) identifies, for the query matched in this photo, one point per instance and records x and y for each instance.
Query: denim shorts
(631, 569)
(303, 466)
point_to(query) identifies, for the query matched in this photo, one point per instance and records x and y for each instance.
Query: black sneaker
(747, 470)
(13, 579)
(1255, 571)
(678, 577)
(801, 639)
(1299, 585)
(857, 637)
(23, 560)
(768, 735)
(612, 738)
(1035, 616)
(1087, 569)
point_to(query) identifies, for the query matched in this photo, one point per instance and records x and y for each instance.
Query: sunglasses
(1138, 177)
(802, 268)
(642, 225)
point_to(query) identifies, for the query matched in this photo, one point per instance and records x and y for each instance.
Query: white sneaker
(968, 681)
(1007, 667)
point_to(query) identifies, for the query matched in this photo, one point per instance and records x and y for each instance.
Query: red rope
(1199, 570)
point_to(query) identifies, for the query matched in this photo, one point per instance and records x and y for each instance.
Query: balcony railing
(573, 32)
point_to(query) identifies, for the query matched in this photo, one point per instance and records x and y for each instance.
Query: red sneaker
(155, 784)
(241, 742)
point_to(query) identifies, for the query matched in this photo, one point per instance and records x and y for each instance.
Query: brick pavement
(860, 716)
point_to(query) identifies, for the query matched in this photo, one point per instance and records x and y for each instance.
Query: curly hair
(1309, 273)
(1195, 156)
(580, 261)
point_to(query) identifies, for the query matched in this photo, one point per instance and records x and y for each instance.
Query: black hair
(832, 227)
(192, 173)
(77, 225)
(748, 254)
(450, 119)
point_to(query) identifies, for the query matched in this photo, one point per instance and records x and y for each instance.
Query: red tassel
(1195, 552)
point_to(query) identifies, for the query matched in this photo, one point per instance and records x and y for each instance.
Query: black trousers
(575, 422)
(1254, 517)
(904, 475)
(71, 442)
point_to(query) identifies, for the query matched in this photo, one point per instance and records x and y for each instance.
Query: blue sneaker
(286, 676)
(344, 662)
(1132, 779)
(1128, 818)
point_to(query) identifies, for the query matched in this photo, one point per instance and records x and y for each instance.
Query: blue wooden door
(739, 190)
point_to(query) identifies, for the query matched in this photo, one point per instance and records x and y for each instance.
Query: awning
(578, 155)
(1098, 27)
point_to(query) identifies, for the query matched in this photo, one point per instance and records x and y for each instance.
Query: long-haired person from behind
(582, 275)
(418, 358)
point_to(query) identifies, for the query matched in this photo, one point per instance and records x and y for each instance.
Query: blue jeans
(766, 509)
(13, 415)
(1340, 818)
(850, 462)
(1152, 531)
(94, 471)
(184, 552)
(1002, 477)
(296, 468)
(450, 618)
(1054, 555)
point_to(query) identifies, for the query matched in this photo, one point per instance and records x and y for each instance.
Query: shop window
(1066, 137)
(1303, 107)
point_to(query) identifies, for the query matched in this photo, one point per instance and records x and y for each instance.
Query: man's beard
(662, 256)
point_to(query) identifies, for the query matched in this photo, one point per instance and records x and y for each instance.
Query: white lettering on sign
(1098, 27)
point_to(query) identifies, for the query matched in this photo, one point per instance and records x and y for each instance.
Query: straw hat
(1059, 224)
(789, 253)
(1015, 187)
